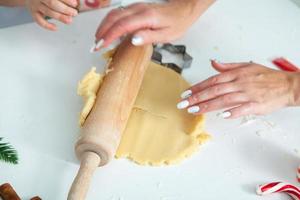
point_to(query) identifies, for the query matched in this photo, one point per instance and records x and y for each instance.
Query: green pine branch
(8, 153)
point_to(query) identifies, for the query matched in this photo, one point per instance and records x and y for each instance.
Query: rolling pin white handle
(89, 163)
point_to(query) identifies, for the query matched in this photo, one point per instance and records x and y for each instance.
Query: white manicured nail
(183, 104)
(193, 109)
(92, 50)
(99, 44)
(137, 40)
(186, 94)
(226, 114)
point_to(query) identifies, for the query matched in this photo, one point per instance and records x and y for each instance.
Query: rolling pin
(102, 130)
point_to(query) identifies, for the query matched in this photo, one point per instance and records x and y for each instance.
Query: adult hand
(151, 22)
(243, 88)
(61, 10)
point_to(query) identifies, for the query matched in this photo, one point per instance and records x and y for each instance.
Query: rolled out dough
(157, 132)
(87, 88)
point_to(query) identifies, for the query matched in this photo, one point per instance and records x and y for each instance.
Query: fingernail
(183, 104)
(137, 40)
(226, 114)
(92, 50)
(214, 60)
(186, 94)
(99, 44)
(193, 109)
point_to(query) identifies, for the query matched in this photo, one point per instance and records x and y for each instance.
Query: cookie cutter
(157, 56)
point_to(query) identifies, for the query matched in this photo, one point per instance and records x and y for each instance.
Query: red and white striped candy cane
(277, 187)
(298, 174)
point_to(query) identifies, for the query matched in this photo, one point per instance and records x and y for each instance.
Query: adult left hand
(243, 89)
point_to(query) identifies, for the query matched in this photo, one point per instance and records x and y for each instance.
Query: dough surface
(157, 132)
(87, 88)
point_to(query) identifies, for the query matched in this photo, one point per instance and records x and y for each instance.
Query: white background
(39, 71)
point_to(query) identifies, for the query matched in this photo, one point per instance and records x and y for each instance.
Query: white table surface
(39, 110)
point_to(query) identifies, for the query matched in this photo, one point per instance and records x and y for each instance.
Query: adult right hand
(151, 22)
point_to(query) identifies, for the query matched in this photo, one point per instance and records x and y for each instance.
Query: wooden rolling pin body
(102, 130)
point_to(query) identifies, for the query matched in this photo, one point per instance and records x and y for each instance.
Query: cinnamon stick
(7, 192)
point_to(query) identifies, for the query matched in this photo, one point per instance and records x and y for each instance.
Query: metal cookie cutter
(180, 50)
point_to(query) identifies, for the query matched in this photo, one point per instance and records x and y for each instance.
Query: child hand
(61, 10)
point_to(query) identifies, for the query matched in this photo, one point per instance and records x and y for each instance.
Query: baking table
(39, 110)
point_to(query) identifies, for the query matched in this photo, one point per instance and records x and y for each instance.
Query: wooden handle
(80, 186)
(101, 132)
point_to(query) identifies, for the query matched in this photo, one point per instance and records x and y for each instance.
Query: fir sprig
(8, 153)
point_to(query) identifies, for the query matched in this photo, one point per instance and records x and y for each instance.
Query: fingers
(119, 22)
(71, 3)
(39, 18)
(244, 109)
(227, 75)
(112, 17)
(55, 15)
(127, 25)
(148, 36)
(60, 7)
(242, 88)
(221, 102)
(212, 92)
(223, 67)
(214, 80)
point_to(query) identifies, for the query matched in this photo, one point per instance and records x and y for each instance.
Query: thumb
(148, 36)
(223, 67)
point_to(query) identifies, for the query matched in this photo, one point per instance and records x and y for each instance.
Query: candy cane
(285, 65)
(298, 174)
(277, 187)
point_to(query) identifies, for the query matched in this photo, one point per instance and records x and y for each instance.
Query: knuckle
(47, 12)
(194, 98)
(112, 15)
(227, 99)
(69, 11)
(227, 75)
(213, 80)
(205, 107)
(121, 25)
(216, 90)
